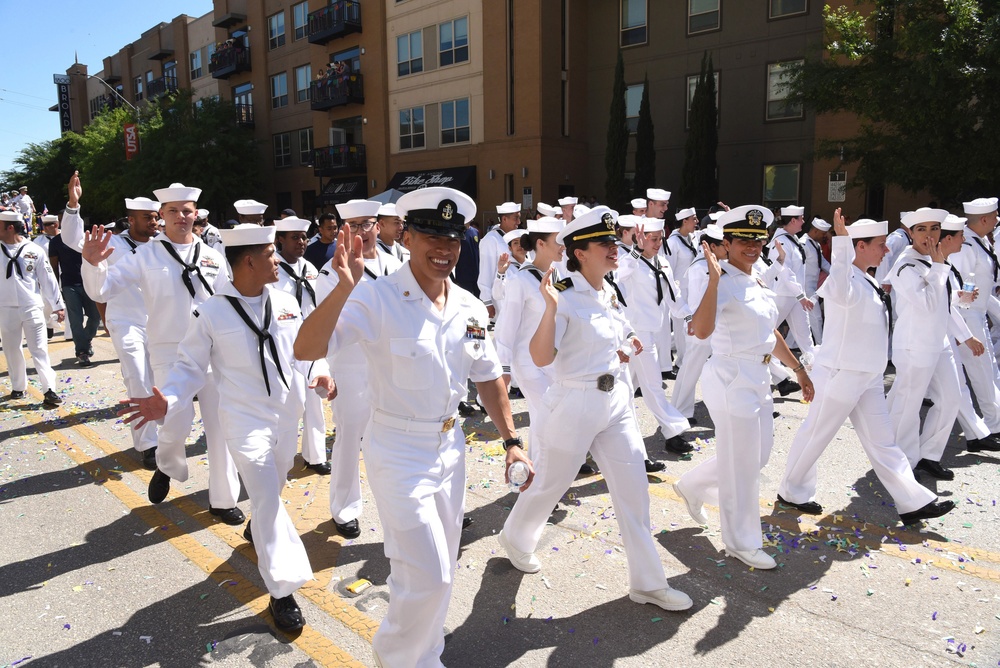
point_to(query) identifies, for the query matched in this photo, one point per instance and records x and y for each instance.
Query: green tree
(700, 178)
(921, 77)
(45, 167)
(104, 172)
(615, 186)
(645, 149)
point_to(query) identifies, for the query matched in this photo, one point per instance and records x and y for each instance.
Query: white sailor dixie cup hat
(954, 223)
(628, 220)
(566, 201)
(514, 234)
(793, 211)
(547, 211)
(685, 213)
(247, 234)
(713, 232)
(546, 225)
(249, 207)
(177, 192)
(980, 206)
(291, 224)
(924, 215)
(437, 210)
(866, 228)
(657, 194)
(141, 204)
(10, 216)
(202, 214)
(359, 208)
(598, 224)
(650, 224)
(508, 207)
(820, 224)
(749, 221)
(49, 218)
(638, 203)
(387, 210)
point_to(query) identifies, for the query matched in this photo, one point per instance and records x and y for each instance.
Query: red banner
(131, 140)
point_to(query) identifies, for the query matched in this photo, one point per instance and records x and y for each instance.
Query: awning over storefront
(337, 191)
(459, 178)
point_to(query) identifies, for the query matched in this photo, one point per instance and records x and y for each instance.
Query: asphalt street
(92, 575)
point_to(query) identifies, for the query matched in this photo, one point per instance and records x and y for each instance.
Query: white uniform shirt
(42, 241)
(590, 327)
(304, 271)
(23, 204)
(517, 322)
(639, 284)
(815, 265)
(398, 250)
(974, 261)
(491, 246)
(31, 283)
(415, 351)
(921, 301)
(958, 329)
(745, 315)
(681, 252)
(792, 282)
(896, 242)
(500, 281)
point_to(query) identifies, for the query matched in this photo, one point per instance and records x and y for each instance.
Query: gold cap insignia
(755, 217)
(447, 211)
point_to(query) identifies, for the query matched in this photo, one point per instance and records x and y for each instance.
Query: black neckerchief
(300, 282)
(993, 257)
(263, 336)
(819, 253)
(688, 244)
(660, 277)
(535, 271)
(189, 269)
(798, 245)
(12, 263)
(374, 276)
(947, 284)
(618, 291)
(131, 244)
(883, 296)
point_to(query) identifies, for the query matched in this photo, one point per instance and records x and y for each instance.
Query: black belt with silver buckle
(605, 382)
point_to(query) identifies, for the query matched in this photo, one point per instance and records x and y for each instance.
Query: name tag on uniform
(474, 330)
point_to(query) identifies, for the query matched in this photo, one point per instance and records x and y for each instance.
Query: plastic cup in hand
(517, 473)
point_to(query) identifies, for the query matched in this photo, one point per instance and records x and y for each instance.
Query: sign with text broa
(131, 140)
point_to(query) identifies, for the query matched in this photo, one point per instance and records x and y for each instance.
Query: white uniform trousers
(680, 328)
(313, 429)
(129, 340)
(418, 481)
(738, 396)
(264, 462)
(981, 372)
(696, 353)
(791, 311)
(15, 323)
(858, 395)
(816, 322)
(646, 367)
(919, 375)
(665, 342)
(971, 422)
(171, 456)
(352, 411)
(572, 421)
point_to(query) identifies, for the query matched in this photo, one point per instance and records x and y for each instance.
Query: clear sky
(42, 37)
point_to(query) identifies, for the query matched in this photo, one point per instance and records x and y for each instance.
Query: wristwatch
(511, 442)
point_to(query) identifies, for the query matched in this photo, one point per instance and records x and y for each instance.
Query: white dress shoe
(523, 561)
(695, 510)
(668, 599)
(757, 558)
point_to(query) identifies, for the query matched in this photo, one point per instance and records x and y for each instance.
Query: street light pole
(131, 106)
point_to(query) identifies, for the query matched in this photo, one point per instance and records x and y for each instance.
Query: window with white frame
(455, 122)
(692, 85)
(633, 22)
(306, 146)
(300, 21)
(196, 70)
(633, 98)
(283, 149)
(703, 15)
(781, 185)
(781, 104)
(411, 128)
(410, 53)
(303, 78)
(453, 37)
(778, 9)
(276, 30)
(137, 87)
(279, 90)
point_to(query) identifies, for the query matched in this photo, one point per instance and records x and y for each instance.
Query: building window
(411, 128)
(306, 146)
(196, 64)
(781, 104)
(303, 77)
(149, 78)
(97, 105)
(283, 150)
(276, 30)
(352, 57)
(633, 22)
(410, 53)
(703, 15)
(633, 98)
(300, 20)
(454, 39)
(137, 85)
(279, 90)
(781, 185)
(781, 8)
(692, 82)
(455, 122)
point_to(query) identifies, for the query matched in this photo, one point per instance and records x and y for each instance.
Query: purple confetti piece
(596, 640)
(902, 548)
(917, 560)
(66, 626)
(934, 577)
(556, 549)
(934, 615)
(14, 663)
(572, 631)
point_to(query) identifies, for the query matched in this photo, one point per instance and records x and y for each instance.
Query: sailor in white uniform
(681, 252)
(790, 292)
(816, 267)
(491, 247)
(390, 234)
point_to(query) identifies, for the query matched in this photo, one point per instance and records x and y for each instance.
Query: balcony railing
(229, 61)
(244, 115)
(161, 86)
(339, 159)
(337, 91)
(337, 19)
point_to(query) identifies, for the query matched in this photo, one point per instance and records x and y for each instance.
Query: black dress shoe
(927, 403)
(286, 613)
(16, 394)
(247, 534)
(465, 409)
(586, 469)
(84, 359)
(323, 468)
(934, 469)
(654, 467)
(149, 459)
(349, 529)
(978, 444)
(809, 507)
(231, 516)
(669, 375)
(49, 332)
(638, 392)
(467, 522)
(515, 393)
(928, 512)
(50, 399)
(678, 445)
(159, 485)
(692, 420)
(787, 386)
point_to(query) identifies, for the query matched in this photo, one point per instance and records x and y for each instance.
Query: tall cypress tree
(615, 186)
(645, 152)
(700, 178)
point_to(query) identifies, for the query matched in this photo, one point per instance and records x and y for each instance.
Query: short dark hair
(328, 216)
(18, 225)
(947, 233)
(235, 254)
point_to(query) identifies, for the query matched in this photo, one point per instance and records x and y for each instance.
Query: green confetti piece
(967, 525)
(656, 619)
(870, 592)
(203, 597)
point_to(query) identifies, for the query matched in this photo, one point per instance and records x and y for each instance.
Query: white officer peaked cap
(508, 207)
(387, 210)
(566, 201)
(657, 194)
(638, 203)
(924, 215)
(547, 211)
(437, 210)
(820, 224)
(49, 218)
(749, 221)
(248, 234)
(954, 223)
(792, 211)
(546, 225)
(580, 209)
(291, 224)
(650, 224)
(10, 216)
(203, 214)
(514, 234)
(685, 213)
(628, 220)
(249, 207)
(866, 228)
(141, 204)
(597, 224)
(359, 208)
(713, 232)
(980, 206)
(177, 192)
